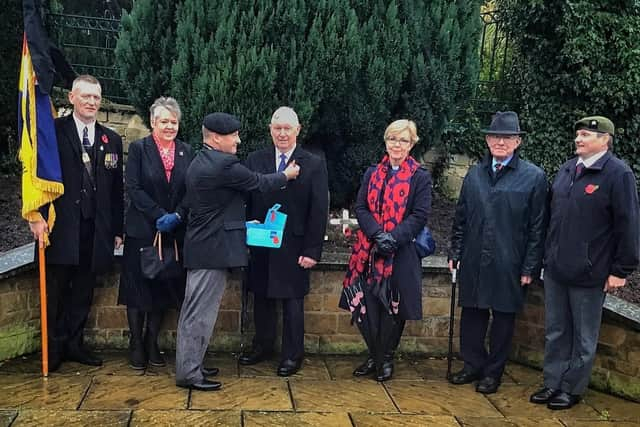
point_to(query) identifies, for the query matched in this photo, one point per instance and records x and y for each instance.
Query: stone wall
(617, 364)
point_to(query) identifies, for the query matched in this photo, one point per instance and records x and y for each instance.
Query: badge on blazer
(111, 160)
(85, 157)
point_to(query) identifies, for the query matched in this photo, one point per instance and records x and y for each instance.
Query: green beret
(595, 124)
(221, 123)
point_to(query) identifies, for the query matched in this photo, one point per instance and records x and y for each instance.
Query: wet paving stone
(72, 418)
(341, 368)
(509, 422)
(513, 401)
(340, 396)
(245, 393)
(439, 398)
(524, 375)
(313, 368)
(227, 364)
(143, 418)
(297, 419)
(583, 423)
(147, 392)
(613, 408)
(30, 391)
(402, 420)
(6, 417)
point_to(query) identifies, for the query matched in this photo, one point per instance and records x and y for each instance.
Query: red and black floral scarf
(387, 214)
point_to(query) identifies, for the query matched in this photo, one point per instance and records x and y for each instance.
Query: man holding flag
(72, 176)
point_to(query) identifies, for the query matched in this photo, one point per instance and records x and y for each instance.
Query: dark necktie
(85, 138)
(498, 167)
(579, 169)
(283, 162)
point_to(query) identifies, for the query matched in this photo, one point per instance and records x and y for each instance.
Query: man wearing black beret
(215, 239)
(592, 246)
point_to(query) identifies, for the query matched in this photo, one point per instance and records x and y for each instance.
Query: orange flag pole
(44, 335)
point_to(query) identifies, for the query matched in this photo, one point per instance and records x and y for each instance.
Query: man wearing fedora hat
(496, 244)
(592, 246)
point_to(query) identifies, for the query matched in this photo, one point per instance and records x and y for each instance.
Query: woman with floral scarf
(383, 285)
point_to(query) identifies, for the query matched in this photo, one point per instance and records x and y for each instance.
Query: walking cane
(44, 335)
(452, 314)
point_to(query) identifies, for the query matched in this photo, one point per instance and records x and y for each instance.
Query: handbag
(160, 262)
(425, 244)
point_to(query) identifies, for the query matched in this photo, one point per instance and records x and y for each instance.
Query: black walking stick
(452, 314)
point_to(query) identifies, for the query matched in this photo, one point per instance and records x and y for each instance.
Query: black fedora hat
(504, 123)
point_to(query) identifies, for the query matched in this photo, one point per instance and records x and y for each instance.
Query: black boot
(385, 370)
(367, 368)
(154, 320)
(137, 356)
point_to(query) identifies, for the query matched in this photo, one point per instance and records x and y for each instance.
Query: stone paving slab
(524, 375)
(513, 401)
(441, 398)
(509, 422)
(247, 394)
(313, 368)
(148, 392)
(72, 418)
(340, 396)
(6, 417)
(582, 423)
(341, 368)
(402, 420)
(143, 418)
(297, 419)
(613, 408)
(35, 392)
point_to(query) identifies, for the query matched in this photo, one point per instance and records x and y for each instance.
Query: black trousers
(473, 330)
(380, 329)
(266, 321)
(69, 297)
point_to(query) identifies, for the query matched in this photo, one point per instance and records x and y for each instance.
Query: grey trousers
(572, 326)
(198, 316)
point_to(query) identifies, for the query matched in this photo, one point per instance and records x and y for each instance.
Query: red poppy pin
(105, 139)
(591, 188)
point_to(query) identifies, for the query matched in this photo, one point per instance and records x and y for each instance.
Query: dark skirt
(144, 294)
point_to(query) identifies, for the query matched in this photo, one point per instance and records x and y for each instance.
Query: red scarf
(167, 156)
(394, 204)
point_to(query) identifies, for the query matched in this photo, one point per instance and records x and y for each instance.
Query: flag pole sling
(43, 310)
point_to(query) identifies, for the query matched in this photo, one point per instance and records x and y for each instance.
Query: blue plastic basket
(268, 234)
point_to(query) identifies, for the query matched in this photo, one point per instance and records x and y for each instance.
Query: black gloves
(387, 245)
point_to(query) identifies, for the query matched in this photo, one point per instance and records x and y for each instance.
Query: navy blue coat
(498, 233)
(216, 231)
(594, 230)
(275, 273)
(407, 266)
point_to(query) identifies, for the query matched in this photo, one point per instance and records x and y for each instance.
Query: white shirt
(91, 128)
(589, 161)
(287, 156)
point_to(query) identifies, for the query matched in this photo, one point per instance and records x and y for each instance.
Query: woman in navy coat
(155, 184)
(392, 207)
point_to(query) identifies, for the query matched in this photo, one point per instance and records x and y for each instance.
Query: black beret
(221, 123)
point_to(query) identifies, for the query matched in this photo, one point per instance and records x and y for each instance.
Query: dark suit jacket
(150, 195)
(216, 230)
(65, 236)
(275, 273)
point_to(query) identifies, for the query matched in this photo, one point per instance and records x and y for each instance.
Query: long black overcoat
(498, 233)
(407, 266)
(275, 273)
(65, 236)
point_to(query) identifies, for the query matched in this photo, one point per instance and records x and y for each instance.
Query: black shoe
(385, 372)
(209, 372)
(203, 385)
(488, 385)
(82, 356)
(254, 356)
(137, 356)
(288, 367)
(563, 400)
(464, 377)
(543, 395)
(153, 352)
(367, 368)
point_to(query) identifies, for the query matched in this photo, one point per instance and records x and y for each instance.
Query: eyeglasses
(393, 140)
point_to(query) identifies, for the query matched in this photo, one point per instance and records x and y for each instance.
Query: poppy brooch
(105, 139)
(591, 188)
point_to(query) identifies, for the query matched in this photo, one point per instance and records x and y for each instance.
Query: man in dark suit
(89, 221)
(283, 274)
(215, 239)
(593, 244)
